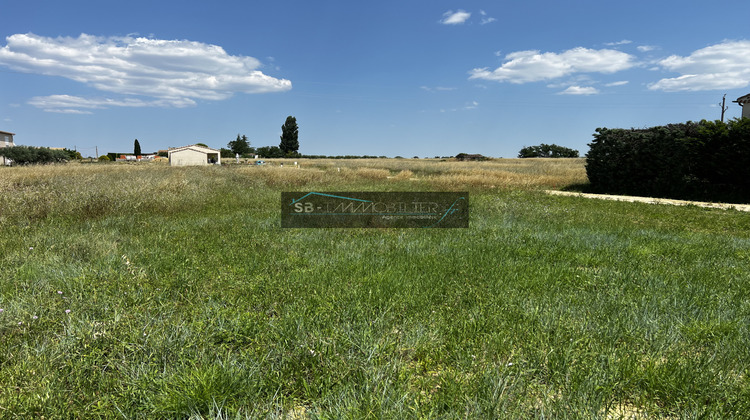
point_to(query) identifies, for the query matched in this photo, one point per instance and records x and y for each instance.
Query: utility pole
(723, 106)
(97, 152)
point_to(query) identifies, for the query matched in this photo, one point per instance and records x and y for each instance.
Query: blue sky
(424, 78)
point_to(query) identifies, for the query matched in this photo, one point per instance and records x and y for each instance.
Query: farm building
(193, 155)
(742, 101)
(6, 140)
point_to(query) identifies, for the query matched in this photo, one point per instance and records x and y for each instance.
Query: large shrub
(269, 152)
(24, 155)
(687, 160)
(721, 152)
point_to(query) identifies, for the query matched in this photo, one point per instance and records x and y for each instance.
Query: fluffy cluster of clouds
(169, 73)
(534, 66)
(721, 66)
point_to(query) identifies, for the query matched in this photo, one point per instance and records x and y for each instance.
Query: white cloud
(451, 18)
(620, 83)
(174, 72)
(66, 103)
(623, 42)
(437, 88)
(69, 111)
(486, 19)
(472, 105)
(720, 66)
(579, 90)
(533, 66)
(645, 48)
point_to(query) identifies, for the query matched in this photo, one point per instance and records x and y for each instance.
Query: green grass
(187, 299)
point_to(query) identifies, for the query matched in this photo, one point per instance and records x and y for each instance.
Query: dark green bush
(24, 155)
(269, 152)
(690, 160)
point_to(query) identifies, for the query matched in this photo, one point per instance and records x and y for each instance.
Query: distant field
(144, 291)
(496, 173)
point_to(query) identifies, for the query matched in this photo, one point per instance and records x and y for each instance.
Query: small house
(193, 155)
(742, 101)
(6, 140)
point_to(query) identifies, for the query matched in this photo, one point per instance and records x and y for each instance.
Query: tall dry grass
(95, 190)
(448, 173)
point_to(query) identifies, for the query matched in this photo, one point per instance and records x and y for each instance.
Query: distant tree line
(547, 151)
(288, 147)
(343, 157)
(708, 160)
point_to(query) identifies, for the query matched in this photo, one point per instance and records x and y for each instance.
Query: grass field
(144, 291)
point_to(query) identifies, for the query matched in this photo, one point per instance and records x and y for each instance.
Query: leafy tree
(104, 158)
(289, 137)
(241, 145)
(202, 145)
(547, 151)
(24, 155)
(73, 154)
(136, 148)
(270, 152)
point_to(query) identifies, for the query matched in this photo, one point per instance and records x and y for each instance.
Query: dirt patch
(651, 200)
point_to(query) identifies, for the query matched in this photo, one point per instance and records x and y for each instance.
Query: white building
(193, 155)
(744, 100)
(6, 140)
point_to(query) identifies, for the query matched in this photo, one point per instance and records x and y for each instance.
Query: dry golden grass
(440, 173)
(92, 190)
(98, 189)
(497, 173)
(283, 177)
(405, 174)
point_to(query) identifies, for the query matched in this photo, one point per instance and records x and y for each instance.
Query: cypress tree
(289, 137)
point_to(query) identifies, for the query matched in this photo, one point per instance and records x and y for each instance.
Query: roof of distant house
(743, 99)
(7, 132)
(192, 146)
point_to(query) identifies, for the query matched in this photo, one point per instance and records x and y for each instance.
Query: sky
(386, 78)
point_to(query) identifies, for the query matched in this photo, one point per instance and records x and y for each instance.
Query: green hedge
(705, 160)
(24, 155)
